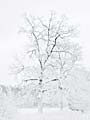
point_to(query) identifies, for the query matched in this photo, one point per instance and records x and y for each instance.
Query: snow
(51, 114)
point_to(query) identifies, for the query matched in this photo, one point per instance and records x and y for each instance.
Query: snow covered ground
(50, 114)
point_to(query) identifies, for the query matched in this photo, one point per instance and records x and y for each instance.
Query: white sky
(11, 12)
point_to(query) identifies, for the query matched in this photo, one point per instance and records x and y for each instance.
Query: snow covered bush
(79, 101)
(7, 107)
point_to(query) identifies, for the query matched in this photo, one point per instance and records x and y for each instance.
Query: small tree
(50, 51)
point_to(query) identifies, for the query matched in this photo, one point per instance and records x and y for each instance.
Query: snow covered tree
(79, 89)
(69, 55)
(8, 107)
(50, 54)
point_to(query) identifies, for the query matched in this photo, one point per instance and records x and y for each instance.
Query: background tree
(79, 88)
(51, 54)
(8, 108)
(69, 54)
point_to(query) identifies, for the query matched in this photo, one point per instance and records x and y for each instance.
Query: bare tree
(51, 50)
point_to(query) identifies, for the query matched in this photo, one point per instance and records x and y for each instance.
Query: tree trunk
(40, 106)
(61, 99)
(40, 103)
(60, 88)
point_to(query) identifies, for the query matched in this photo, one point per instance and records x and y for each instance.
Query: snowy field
(50, 114)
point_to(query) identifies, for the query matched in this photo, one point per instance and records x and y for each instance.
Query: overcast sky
(11, 13)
